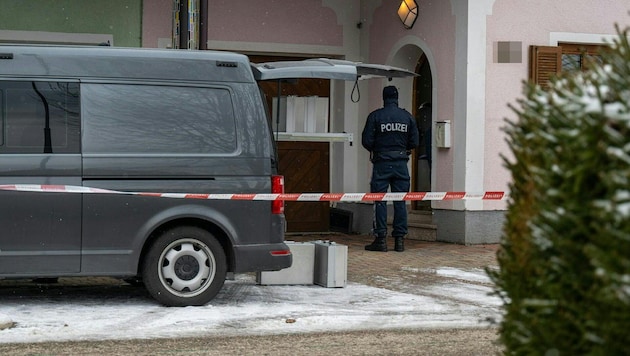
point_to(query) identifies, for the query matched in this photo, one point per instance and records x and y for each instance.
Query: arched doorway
(413, 53)
(422, 103)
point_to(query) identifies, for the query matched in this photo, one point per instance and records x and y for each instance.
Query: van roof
(99, 62)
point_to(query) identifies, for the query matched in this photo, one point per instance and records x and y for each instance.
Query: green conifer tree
(564, 261)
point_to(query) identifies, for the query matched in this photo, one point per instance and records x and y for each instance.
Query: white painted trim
(469, 123)
(574, 37)
(347, 160)
(10, 36)
(275, 48)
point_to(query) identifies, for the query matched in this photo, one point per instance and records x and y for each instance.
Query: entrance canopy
(326, 69)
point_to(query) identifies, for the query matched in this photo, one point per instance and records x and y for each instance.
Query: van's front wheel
(185, 266)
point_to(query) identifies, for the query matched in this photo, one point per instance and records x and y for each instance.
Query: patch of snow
(246, 308)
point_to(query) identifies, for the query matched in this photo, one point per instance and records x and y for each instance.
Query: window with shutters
(545, 62)
(548, 61)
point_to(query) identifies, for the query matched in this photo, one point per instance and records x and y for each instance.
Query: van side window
(152, 119)
(39, 117)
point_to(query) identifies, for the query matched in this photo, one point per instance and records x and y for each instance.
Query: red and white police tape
(350, 197)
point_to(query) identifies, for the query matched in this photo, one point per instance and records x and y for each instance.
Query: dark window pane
(571, 62)
(157, 119)
(40, 117)
(591, 60)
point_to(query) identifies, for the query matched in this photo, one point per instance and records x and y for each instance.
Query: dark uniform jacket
(390, 133)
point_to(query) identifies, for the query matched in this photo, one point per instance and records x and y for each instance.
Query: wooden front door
(305, 168)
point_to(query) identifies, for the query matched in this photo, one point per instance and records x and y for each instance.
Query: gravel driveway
(399, 342)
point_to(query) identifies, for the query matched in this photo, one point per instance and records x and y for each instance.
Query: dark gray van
(136, 120)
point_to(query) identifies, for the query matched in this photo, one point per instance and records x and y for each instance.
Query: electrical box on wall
(443, 134)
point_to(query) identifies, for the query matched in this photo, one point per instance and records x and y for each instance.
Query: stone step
(422, 232)
(420, 216)
(420, 224)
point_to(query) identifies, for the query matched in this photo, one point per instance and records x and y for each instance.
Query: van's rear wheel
(185, 266)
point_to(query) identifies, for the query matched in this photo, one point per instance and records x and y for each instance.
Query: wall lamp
(408, 12)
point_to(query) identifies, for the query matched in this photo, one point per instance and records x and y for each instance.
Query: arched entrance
(422, 104)
(409, 53)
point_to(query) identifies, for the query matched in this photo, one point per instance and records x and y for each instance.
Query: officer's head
(390, 92)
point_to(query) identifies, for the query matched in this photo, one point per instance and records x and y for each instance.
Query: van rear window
(39, 117)
(153, 119)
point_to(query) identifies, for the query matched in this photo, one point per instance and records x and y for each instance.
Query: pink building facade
(470, 85)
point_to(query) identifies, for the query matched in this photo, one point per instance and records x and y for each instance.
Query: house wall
(282, 27)
(533, 22)
(250, 26)
(451, 34)
(474, 91)
(122, 19)
(303, 22)
(157, 23)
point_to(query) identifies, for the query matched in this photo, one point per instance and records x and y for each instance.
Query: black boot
(399, 243)
(379, 244)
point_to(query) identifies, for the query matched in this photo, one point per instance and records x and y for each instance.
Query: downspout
(203, 24)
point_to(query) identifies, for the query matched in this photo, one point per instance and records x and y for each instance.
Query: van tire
(185, 266)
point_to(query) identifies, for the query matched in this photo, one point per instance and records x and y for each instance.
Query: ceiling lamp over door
(408, 12)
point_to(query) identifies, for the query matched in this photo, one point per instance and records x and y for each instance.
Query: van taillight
(277, 187)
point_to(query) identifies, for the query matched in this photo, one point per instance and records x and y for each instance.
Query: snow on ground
(245, 308)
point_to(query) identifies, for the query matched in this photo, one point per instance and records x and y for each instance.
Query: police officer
(390, 134)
